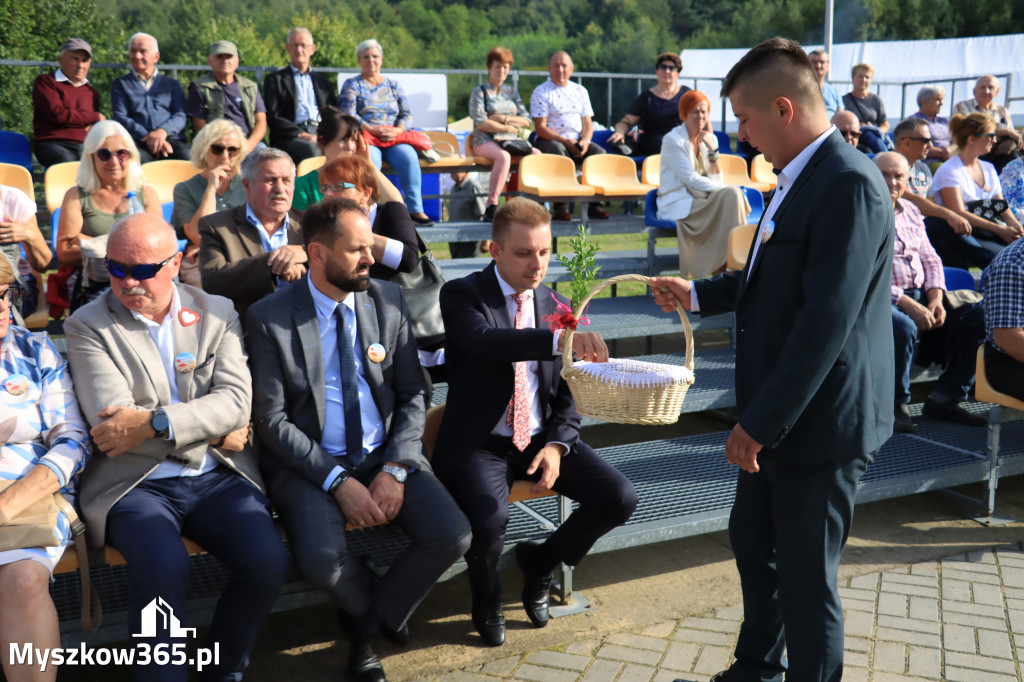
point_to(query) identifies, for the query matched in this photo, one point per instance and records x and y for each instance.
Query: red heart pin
(187, 317)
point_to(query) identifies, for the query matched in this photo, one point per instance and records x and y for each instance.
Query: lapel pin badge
(16, 384)
(185, 362)
(769, 230)
(376, 353)
(187, 317)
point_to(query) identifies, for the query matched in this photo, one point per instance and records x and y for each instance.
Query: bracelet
(713, 156)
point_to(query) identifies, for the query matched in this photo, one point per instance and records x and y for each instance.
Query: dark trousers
(179, 150)
(228, 517)
(52, 152)
(481, 486)
(553, 147)
(299, 150)
(954, 345)
(788, 527)
(316, 530)
(962, 250)
(1004, 373)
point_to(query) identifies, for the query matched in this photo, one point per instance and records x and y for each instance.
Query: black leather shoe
(489, 213)
(952, 412)
(489, 621)
(536, 587)
(903, 423)
(399, 637)
(363, 662)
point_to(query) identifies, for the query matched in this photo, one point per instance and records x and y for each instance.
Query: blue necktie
(349, 389)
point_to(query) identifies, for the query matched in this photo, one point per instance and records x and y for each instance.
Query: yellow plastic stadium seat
(18, 177)
(761, 171)
(551, 175)
(650, 174)
(739, 246)
(734, 172)
(612, 175)
(164, 174)
(447, 145)
(59, 178)
(310, 164)
(983, 390)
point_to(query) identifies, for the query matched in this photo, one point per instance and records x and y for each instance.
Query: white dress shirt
(163, 337)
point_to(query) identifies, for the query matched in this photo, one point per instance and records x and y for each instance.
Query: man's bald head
(776, 68)
(848, 125)
(143, 229)
(896, 172)
(143, 260)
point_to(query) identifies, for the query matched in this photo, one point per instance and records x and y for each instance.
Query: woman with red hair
(692, 193)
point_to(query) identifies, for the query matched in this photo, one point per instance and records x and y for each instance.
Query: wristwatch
(336, 483)
(159, 422)
(399, 473)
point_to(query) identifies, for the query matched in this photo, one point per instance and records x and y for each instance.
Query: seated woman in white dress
(43, 450)
(692, 193)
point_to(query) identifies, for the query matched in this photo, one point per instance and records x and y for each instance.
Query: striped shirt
(915, 265)
(1004, 291)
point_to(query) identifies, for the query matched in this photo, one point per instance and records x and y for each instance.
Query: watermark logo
(158, 615)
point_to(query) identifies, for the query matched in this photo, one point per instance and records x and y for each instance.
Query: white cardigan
(679, 175)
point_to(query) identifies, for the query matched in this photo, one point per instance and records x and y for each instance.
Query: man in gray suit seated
(161, 377)
(339, 408)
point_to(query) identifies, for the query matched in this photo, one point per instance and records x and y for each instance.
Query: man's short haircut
(500, 55)
(140, 34)
(908, 127)
(669, 57)
(352, 168)
(369, 44)
(322, 222)
(863, 66)
(820, 51)
(211, 132)
(777, 67)
(261, 155)
(297, 30)
(521, 211)
(928, 92)
(689, 101)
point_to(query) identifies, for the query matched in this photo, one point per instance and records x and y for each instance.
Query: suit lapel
(248, 233)
(186, 340)
(543, 305)
(494, 299)
(368, 333)
(137, 341)
(308, 328)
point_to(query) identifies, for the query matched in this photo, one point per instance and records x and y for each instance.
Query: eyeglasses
(138, 272)
(219, 149)
(337, 187)
(990, 136)
(926, 140)
(667, 67)
(12, 296)
(104, 155)
(850, 134)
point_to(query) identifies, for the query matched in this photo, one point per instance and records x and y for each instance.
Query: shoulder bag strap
(92, 609)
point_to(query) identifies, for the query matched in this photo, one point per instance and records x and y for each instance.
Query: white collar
(506, 288)
(795, 167)
(60, 77)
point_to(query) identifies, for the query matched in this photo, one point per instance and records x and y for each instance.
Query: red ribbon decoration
(563, 318)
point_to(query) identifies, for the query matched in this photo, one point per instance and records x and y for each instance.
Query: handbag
(514, 145)
(422, 289)
(989, 209)
(34, 527)
(416, 139)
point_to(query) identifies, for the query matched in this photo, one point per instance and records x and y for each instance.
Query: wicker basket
(628, 391)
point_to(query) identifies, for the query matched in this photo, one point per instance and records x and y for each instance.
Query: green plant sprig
(581, 265)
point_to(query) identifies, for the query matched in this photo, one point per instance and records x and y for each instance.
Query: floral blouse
(380, 105)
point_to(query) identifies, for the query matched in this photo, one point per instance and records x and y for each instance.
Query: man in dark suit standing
(814, 365)
(294, 96)
(510, 415)
(339, 414)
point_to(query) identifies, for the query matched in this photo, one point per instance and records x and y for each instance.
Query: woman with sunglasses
(336, 135)
(655, 111)
(970, 187)
(43, 449)
(217, 153)
(109, 185)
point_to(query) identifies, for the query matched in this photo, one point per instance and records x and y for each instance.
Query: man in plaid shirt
(1004, 321)
(926, 329)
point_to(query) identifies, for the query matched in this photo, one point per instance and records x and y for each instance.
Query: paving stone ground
(960, 619)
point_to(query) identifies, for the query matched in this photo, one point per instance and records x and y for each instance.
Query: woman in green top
(336, 135)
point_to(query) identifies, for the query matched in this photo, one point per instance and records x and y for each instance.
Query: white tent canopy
(953, 64)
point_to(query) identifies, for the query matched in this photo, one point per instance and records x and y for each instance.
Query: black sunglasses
(138, 272)
(104, 155)
(219, 149)
(926, 140)
(667, 67)
(850, 134)
(12, 296)
(988, 135)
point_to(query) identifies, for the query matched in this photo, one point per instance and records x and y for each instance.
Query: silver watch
(399, 473)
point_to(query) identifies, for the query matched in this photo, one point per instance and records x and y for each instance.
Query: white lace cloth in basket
(635, 373)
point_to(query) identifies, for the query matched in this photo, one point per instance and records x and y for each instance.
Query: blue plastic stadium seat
(756, 201)
(15, 148)
(957, 278)
(724, 143)
(651, 213)
(168, 209)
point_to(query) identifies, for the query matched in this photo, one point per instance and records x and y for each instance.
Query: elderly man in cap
(150, 105)
(64, 105)
(223, 94)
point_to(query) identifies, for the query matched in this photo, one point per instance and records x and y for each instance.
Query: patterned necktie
(519, 407)
(349, 389)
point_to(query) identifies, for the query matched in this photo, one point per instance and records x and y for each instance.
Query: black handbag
(422, 289)
(517, 147)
